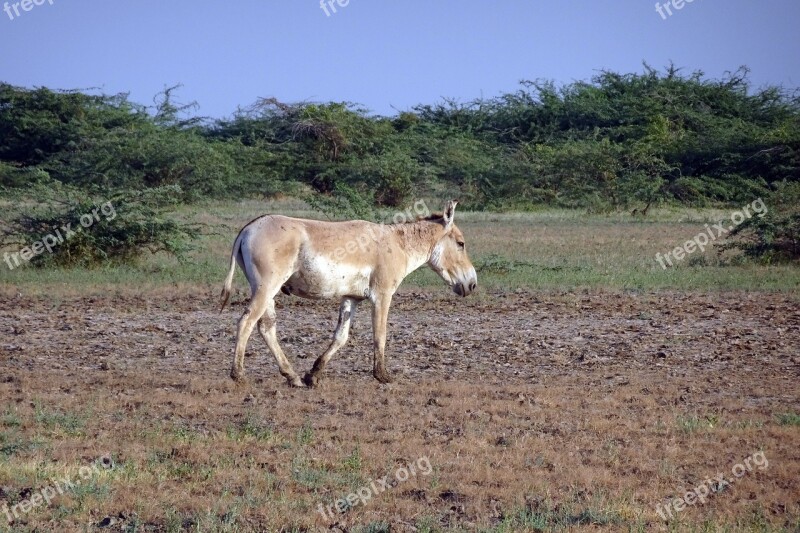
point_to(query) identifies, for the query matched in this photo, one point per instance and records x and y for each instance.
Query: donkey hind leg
(268, 330)
(262, 303)
(247, 322)
(347, 311)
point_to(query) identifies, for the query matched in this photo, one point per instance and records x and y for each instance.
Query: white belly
(320, 277)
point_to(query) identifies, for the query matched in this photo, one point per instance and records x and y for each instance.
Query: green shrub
(617, 141)
(775, 236)
(80, 230)
(344, 202)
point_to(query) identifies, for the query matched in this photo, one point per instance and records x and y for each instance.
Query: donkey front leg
(380, 316)
(347, 311)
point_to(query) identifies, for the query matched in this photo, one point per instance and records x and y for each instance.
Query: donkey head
(449, 256)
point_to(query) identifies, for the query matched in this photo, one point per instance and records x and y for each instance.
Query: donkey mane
(434, 217)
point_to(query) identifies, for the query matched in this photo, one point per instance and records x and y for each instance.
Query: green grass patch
(305, 435)
(788, 419)
(695, 423)
(547, 516)
(53, 419)
(373, 527)
(551, 249)
(10, 419)
(252, 426)
(11, 444)
(305, 473)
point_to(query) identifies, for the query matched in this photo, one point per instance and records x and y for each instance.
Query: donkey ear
(449, 213)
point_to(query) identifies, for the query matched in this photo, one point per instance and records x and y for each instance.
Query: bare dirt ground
(576, 409)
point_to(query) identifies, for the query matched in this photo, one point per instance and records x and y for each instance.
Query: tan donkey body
(352, 261)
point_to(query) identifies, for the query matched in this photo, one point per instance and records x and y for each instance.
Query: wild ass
(353, 261)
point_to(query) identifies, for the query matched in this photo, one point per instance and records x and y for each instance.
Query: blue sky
(386, 55)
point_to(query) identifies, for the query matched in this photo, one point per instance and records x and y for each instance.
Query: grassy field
(582, 388)
(549, 250)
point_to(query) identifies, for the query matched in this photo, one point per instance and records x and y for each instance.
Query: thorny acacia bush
(89, 230)
(775, 237)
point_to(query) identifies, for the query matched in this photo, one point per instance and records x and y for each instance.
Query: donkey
(353, 261)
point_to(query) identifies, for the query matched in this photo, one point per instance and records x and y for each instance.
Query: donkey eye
(460, 244)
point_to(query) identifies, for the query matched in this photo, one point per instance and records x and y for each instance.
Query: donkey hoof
(311, 380)
(383, 377)
(295, 382)
(238, 377)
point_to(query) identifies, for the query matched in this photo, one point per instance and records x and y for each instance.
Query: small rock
(107, 522)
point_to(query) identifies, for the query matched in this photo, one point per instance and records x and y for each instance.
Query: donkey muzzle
(465, 288)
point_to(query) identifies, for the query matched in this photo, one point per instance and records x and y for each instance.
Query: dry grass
(203, 455)
(534, 431)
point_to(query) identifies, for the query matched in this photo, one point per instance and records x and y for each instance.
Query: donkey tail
(226, 288)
